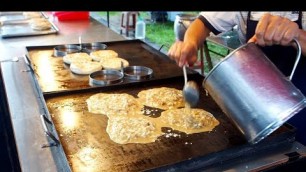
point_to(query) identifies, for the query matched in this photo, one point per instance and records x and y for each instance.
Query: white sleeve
(221, 21)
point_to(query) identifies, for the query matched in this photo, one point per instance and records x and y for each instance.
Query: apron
(284, 57)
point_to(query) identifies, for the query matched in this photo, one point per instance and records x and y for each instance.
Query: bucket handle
(298, 56)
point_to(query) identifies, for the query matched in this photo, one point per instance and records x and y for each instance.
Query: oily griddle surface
(88, 147)
(54, 75)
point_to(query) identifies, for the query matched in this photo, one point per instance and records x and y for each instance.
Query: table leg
(107, 15)
(208, 59)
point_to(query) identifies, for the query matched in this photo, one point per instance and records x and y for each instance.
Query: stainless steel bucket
(253, 93)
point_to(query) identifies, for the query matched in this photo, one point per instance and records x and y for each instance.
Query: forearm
(196, 33)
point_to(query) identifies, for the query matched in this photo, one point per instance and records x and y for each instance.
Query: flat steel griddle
(53, 75)
(223, 143)
(89, 148)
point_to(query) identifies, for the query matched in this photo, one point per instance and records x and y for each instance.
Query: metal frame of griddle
(126, 80)
(194, 164)
(206, 161)
(45, 117)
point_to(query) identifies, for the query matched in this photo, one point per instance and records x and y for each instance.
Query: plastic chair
(128, 21)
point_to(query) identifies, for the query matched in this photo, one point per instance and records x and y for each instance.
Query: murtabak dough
(111, 104)
(85, 68)
(123, 130)
(76, 57)
(113, 63)
(40, 24)
(100, 54)
(162, 98)
(189, 120)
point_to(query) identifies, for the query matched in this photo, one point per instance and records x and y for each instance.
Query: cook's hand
(273, 29)
(183, 52)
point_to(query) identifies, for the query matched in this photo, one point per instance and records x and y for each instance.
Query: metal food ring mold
(105, 77)
(137, 72)
(90, 47)
(62, 50)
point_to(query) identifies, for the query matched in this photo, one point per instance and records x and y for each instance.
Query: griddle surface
(88, 146)
(54, 75)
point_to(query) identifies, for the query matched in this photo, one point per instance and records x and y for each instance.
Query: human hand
(273, 29)
(183, 52)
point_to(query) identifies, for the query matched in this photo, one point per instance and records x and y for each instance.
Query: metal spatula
(190, 91)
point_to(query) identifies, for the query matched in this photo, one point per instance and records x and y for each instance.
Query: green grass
(215, 48)
(157, 33)
(111, 13)
(161, 33)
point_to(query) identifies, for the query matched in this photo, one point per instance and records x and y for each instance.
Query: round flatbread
(114, 104)
(189, 120)
(113, 63)
(76, 57)
(40, 24)
(125, 130)
(162, 98)
(100, 54)
(85, 68)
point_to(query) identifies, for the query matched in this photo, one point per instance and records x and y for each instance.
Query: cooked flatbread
(76, 57)
(100, 54)
(111, 104)
(189, 120)
(30, 15)
(123, 130)
(85, 67)
(162, 98)
(113, 63)
(40, 24)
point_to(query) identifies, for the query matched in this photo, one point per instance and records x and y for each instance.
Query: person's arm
(278, 30)
(186, 51)
(196, 33)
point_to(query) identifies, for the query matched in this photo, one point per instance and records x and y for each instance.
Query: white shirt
(226, 21)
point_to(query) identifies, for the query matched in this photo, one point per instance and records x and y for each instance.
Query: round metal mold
(137, 72)
(106, 77)
(95, 46)
(62, 50)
